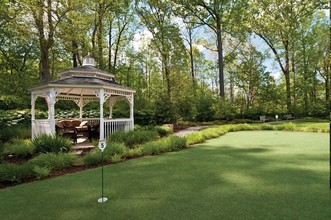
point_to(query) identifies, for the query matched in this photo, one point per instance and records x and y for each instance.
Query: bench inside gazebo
(82, 85)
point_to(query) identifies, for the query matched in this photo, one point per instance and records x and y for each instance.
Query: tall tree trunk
(118, 41)
(287, 78)
(294, 83)
(100, 42)
(110, 44)
(74, 53)
(220, 58)
(191, 57)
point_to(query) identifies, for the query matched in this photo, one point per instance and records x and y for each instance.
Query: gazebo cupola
(82, 85)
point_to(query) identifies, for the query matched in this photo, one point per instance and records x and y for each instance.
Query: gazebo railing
(112, 125)
(42, 126)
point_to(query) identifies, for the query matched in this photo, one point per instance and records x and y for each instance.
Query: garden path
(189, 130)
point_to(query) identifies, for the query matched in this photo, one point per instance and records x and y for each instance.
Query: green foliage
(51, 143)
(10, 172)
(54, 161)
(195, 138)
(175, 143)
(114, 149)
(133, 138)
(9, 133)
(144, 117)
(94, 157)
(171, 143)
(41, 172)
(116, 158)
(162, 130)
(133, 152)
(19, 148)
(267, 127)
(241, 127)
(10, 102)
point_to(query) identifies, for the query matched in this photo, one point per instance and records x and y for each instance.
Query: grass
(242, 175)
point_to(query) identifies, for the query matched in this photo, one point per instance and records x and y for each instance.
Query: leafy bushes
(19, 148)
(8, 133)
(172, 143)
(111, 152)
(201, 136)
(133, 138)
(54, 161)
(195, 138)
(51, 143)
(10, 172)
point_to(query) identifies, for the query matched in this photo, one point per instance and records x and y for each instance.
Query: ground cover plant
(270, 175)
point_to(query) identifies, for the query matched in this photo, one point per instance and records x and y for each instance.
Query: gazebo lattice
(82, 85)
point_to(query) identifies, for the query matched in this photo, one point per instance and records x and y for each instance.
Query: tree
(221, 17)
(156, 15)
(276, 22)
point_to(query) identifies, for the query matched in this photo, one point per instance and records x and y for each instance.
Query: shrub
(241, 127)
(289, 126)
(51, 143)
(171, 143)
(114, 149)
(54, 161)
(9, 133)
(1, 151)
(19, 148)
(175, 143)
(133, 138)
(94, 157)
(153, 148)
(163, 131)
(41, 172)
(133, 152)
(195, 138)
(10, 172)
(116, 158)
(266, 127)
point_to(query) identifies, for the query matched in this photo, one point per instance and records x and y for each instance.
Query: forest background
(189, 60)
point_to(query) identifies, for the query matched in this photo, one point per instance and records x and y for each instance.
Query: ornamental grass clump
(133, 138)
(9, 133)
(195, 138)
(241, 127)
(172, 143)
(19, 148)
(51, 143)
(267, 127)
(54, 161)
(10, 172)
(111, 153)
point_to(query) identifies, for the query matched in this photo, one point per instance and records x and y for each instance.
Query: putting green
(242, 175)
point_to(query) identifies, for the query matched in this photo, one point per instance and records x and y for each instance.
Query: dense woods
(194, 60)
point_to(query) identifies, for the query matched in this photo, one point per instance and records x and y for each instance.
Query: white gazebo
(82, 85)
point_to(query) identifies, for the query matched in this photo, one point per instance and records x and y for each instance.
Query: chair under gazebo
(82, 85)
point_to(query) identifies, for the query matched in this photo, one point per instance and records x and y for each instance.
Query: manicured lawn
(242, 175)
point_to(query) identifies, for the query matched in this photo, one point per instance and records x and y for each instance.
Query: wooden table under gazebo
(82, 85)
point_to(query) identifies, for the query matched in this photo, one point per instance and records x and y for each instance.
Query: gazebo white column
(131, 111)
(51, 110)
(33, 113)
(81, 105)
(101, 98)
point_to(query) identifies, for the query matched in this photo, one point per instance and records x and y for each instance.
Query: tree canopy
(195, 60)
